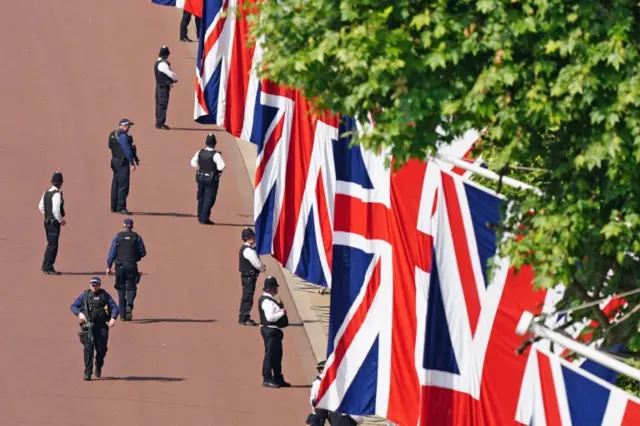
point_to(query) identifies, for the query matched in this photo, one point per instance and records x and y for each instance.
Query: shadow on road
(175, 320)
(83, 273)
(145, 379)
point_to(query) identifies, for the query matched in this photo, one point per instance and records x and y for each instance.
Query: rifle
(86, 328)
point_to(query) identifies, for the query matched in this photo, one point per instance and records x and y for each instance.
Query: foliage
(555, 82)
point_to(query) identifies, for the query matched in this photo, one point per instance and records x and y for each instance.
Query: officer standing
(210, 165)
(52, 206)
(127, 249)
(124, 158)
(96, 311)
(319, 415)
(273, 318)
(164, 81)
(184, 26)
(250, 267)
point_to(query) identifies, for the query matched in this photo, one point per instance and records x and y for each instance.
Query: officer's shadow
(175, 320)
(145, 379)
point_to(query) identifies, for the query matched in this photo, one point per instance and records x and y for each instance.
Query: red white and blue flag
(192, 6)
(419, 332)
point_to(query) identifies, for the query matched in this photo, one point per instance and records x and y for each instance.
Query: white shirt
(272, 311)
(315, 387)
(163, 67)
(55, 203)
(252, 257)
(217, 159)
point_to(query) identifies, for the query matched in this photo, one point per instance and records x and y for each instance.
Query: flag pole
(487, 173)
(528, 324)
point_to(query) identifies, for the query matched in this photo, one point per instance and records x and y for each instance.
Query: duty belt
(249, 273)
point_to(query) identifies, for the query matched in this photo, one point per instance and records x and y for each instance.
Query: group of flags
(419, 333)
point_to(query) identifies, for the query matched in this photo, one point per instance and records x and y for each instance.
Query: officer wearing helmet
(319, 416)
(273, 319)
(124, 159)
(52, 206)
(250, 267)
(165, 78)
(96, 311)
(210, 165)
(127, 249)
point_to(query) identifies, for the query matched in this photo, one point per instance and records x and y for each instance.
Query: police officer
(52, 206)
(164, 81)
(96, 311)
(127, 249)
(273, 318)
(184, 26)
(210, 165)
(319, 416)
(250, 267)
(124, 158)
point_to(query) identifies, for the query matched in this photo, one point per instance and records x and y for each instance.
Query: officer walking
(124, 158)
(250, 268)
(164, 81)
(184, 26)
(52, 206)
(127, 249)
(210, 165)
(96, 311)
(319, 416)
(273, 318)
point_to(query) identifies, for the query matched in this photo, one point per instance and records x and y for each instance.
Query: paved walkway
(66, 79)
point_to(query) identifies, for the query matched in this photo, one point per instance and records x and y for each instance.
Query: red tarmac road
(69, 71)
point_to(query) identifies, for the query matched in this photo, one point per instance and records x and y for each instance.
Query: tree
(556, 83)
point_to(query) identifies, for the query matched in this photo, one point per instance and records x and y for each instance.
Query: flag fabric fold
(192, 6)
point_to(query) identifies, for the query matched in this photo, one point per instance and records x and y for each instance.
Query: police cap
(270, 283)
(126, 121)
(210, 141)
(128, 223)
(95, 281)
(56, 179)
(247, 233)
(320, 366)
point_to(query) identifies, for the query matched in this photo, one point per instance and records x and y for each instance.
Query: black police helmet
(164, 52)
(270, 283)
(320, 366)
(56, 179)
(211, 141)
(247, 233)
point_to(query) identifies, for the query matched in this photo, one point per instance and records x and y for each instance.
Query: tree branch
(600, 316)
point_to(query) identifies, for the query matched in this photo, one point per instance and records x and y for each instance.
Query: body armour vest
(281, 323)
(127, 247)
(98, 306)
(48, 204)
(114, 145)
(205, 161)
(162, 78)
(245, 265)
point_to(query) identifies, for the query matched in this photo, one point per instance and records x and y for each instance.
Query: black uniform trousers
(120, 183)
(207, 194)
(162, 103)
(272, 363)
(52, 230)
(248, 290)
(126, 285)
(184, 24)
(96, 346)
(321, 416)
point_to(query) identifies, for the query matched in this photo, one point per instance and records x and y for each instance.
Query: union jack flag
(194, 7)
(419, 333)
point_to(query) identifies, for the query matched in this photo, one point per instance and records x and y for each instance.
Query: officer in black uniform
(319, 416)
(96, 311)
(165, 78)
(184, 26)
(210, 165)
(124, 158)
(52, 206)
(250, 267)
(127, 249)
(273, 318)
